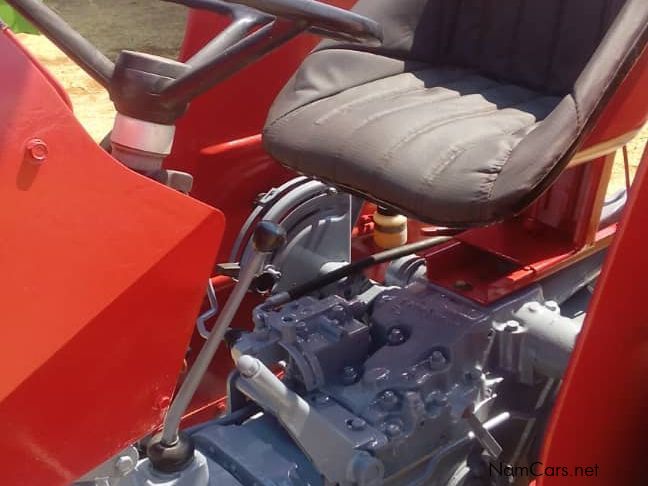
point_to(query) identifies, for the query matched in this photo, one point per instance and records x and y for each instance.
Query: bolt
(511, 326)
(331, 191)
(437, 359)
(37, 150)
(124, 464)
(349, 375)
(552, 305)
(396, 336)
(437, 400)
(392, 429)
(533, 307)
(356, 424)
(388, 400)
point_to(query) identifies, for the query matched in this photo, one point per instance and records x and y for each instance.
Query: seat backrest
(539, 43)
(543, 44)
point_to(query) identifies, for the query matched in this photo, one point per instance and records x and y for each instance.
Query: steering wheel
(158, 90)
(317, 17)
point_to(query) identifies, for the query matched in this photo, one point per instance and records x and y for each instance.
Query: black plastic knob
(268, 237)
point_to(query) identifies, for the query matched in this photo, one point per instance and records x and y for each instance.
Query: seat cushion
(467, 112)
(432, 141)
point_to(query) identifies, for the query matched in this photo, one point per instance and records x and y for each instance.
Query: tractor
(335, 243)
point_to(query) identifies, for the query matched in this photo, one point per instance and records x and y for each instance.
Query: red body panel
(600, 417)
(103, 272)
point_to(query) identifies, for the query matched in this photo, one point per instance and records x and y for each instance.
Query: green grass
(14, 20)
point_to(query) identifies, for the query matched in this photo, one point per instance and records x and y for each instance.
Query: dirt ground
(155, 27)
(151, 26)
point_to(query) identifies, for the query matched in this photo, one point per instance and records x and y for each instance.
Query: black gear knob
(268, 237)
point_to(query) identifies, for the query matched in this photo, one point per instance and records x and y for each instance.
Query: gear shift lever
(170, 450)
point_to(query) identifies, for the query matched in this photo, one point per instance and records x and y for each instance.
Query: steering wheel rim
(327, 19)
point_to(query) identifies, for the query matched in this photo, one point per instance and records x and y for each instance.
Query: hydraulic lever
(170, 450)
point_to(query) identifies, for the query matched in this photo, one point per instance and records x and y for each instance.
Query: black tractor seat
(469, 110)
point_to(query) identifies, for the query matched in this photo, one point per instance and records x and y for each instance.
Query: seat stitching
(381, 114)
(419, 103)
(378, 170)
(437, 170)
(514, 47)
(384, 95)
(331, 95)
(435, 124)
(454, 153)
(486, 186)
(555, 42)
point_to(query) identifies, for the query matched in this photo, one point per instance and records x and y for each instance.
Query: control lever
(482, 434)
(268, 237)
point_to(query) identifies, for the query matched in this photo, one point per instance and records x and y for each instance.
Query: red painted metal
(103, 272)
(627, 110)
(50, 78)
(218, 140)
(600, 417)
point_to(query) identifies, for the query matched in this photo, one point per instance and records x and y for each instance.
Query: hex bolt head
(124, 465)
(511, 326)
(392, 429)
(388, 400)
(268, 237)
(396, 336)
(349, 375)
(37, 151)
(437, 360)
(356, 424)
(533, 307)
(437, 400)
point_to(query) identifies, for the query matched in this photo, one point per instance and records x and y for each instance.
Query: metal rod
(77, 47)
(243, 53)
(233, 33)
(354, 268)
(438, 456)
(206, 355)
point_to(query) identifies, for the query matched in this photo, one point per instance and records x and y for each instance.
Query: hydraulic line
(354, 268)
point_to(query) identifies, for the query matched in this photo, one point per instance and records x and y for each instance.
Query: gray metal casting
(391, 385)
(537, 340)
(318, 220)
(328, 437)
(111, 471)
(319, 337)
